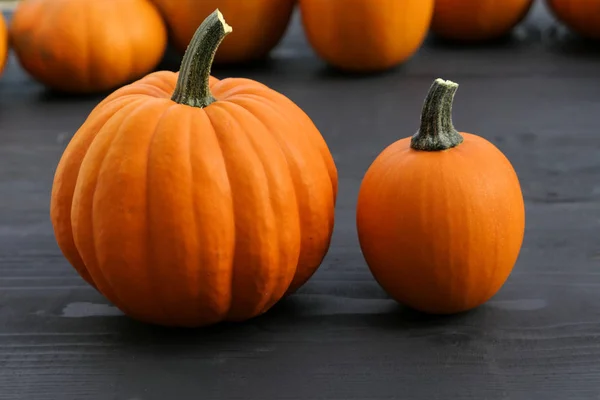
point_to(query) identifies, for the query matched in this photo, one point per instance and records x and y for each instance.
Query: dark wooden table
(536, 96)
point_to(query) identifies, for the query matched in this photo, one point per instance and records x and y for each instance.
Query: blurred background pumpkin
(3, 43)
(477, 20)
(581, 16)
(259, 25)
(366, 35)
(101, 44)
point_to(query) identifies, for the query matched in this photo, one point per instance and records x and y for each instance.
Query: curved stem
(192, 84)
(437, 131)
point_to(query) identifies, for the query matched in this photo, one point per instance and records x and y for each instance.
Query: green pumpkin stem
(192, 84)
(437, 131)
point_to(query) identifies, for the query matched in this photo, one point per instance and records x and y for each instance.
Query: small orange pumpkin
(440, 216)
(188, 200)
(259, 25)
(3, 43)
(477, 20)
(366, 35)
(581, 16)
(87, 46)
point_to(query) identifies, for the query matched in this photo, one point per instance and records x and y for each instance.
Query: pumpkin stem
(437, 131)
(192, 84)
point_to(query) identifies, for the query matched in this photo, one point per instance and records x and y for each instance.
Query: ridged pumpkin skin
(581, 16)
(441, 230)
(366, 35)
(3, 43)
(477, 20)
(187, 216)
(87, 46)
(259, 25)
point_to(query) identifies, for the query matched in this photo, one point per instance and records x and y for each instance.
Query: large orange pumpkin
(259, 25)
(440, 216)
(3, 43)
(187, 200)
(581, 16)
(87, 46)
(477, 20)
(366, 35)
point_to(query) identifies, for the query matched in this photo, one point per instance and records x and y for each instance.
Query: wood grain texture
(340, 337)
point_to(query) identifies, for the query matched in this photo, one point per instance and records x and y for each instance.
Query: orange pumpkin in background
(87, 46)
(581, 16)
(188, 200)
(366, 35)
(259, 25)
(3, 43)
(440, 215)
(477, 20)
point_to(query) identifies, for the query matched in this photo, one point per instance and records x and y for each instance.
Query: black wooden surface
(535, 96)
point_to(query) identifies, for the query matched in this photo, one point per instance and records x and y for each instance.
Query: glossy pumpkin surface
(87, 46)
(581, 16)
(366, 35)
(259, 25)
(187, 210)
(477, 20)
(441, 222)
